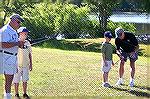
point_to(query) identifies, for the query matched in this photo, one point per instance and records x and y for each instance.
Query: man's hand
(119, 54)
(30, 67)
(132, 54)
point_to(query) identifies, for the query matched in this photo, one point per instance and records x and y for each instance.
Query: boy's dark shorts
(127, 55)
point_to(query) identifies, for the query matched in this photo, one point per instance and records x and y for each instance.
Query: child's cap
(23, 29)
(108, 34)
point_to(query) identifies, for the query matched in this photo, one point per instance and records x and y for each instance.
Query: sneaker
(17, 96)
(131, 84)
(106, 85)
(119, 82)
(26, 96)
(7, 96)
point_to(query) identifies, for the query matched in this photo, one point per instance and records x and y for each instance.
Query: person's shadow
(134, 92)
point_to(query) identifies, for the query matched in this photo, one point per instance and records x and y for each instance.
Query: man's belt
(8, 52)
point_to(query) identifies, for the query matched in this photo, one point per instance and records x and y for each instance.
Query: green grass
(76, 74)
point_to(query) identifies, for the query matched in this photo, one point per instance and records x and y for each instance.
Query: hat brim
(21, 19)
(25, 31)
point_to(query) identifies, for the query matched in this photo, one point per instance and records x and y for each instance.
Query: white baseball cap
(23, 29)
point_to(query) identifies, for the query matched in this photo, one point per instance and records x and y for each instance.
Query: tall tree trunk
(102, 17)
(103, 21)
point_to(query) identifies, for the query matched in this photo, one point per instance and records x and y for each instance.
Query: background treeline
(71, 20)
(69, 17)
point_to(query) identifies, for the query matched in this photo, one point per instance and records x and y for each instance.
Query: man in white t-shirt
(9, 45)
(24, 63)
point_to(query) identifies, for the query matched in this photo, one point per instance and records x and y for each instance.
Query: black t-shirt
(128, 43)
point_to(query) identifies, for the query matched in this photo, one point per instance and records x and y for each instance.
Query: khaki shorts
(22, 74)
(108, 67)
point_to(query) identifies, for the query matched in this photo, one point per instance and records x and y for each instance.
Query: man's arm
(30, 58)
(136, 48)
(9, 45)
(118, 47)
(134, 42)
(12, 44)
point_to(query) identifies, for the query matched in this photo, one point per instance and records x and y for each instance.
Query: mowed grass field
(76, 74)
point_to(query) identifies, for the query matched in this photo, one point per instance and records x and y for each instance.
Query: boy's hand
(113, 63)
(105, 64)
(30, 68)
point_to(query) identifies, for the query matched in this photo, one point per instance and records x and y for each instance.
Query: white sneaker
(131, 84)
(7, 96)
(119, 82)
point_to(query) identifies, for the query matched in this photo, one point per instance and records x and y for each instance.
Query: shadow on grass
(71, 45)
(134, 92)
(143, 87)
(140, 87)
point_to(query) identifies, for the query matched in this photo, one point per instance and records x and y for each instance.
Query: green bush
(45, 19)
(126, 26)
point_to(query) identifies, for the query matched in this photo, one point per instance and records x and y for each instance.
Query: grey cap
(16, 16)
(118, 32)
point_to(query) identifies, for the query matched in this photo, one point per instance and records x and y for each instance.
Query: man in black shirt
(127, 47)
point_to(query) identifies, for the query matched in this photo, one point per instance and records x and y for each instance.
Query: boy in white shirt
(24, 63)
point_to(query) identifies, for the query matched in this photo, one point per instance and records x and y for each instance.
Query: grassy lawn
(77, 74)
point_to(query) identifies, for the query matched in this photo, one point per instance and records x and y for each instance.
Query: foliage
(126, 26)
(103, 9)
(13, 6)
(47, 18)
(39, 20)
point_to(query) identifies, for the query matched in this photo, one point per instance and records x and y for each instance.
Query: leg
(16, 88)
(132, 65)
(25, 90)
(105, 77)
(121, 68)
(24, 87)
(121, 72)
(8, 82)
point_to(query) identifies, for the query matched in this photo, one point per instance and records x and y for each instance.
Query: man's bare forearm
(136, 48)
(9, 44)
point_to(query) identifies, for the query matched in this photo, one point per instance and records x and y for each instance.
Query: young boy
(24, 63)
(107, 52)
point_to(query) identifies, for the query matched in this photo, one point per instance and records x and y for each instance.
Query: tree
(103, 9)
(14, 6)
